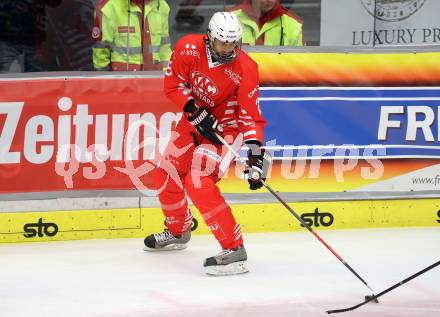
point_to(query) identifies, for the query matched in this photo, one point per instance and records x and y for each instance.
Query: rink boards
(266, 217)
(314, 90)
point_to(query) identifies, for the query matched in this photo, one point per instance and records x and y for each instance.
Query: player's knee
(163, 181)
(159, 177)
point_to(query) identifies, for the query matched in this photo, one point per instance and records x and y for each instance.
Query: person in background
(131, 35)
(215, 84)
(267, 22)
(22, 33)
(69, 44)
(186, 19)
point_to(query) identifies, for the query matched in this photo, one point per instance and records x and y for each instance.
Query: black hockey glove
(258, 165)
(203, 121)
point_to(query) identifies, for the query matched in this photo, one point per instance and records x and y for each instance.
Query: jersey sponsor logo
(96, 32)
(192, 46)
(253, 92)
(190, 50)
(234, 76)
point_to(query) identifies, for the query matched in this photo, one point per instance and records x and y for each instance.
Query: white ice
(291, 274)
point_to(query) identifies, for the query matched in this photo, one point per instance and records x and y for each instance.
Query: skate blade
(170, 247)
(230, 269)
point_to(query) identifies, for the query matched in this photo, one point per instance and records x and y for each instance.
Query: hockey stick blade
(385, 291)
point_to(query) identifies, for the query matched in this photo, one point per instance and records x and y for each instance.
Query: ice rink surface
(291, 274)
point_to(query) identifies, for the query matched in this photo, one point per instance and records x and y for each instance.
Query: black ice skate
(227, 262)
(166, 241)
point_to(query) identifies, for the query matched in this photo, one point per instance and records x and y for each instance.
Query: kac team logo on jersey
(203, 84)
(203, 87)
(392, 10)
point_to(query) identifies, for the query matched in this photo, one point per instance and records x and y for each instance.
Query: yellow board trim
(273, 217)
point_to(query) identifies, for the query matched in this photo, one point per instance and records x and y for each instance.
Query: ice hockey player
(216, 86)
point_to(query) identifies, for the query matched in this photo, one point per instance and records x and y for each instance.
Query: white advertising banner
(369, 23)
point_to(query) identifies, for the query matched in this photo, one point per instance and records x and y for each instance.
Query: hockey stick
(310, 229)
(385, 291)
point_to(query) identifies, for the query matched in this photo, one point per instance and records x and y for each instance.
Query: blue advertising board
(388, 122)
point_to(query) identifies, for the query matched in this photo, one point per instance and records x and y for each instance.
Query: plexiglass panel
(136, 35)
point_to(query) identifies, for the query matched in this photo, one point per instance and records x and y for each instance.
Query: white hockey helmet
(225, 27)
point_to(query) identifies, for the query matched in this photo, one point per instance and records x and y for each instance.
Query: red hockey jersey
(229, 91)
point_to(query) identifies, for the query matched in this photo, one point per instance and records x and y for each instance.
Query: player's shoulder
(191, 42)
(246, 61)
